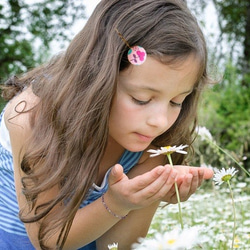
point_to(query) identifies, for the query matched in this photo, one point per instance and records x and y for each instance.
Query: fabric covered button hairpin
(137, 55)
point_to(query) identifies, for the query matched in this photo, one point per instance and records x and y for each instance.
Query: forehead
(153, 73)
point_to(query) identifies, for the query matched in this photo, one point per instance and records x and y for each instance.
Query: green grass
(211, 208)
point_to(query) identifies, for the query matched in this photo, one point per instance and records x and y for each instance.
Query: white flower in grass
(173, 240)
(167, 150)
(224, 175)
(204, 133)
(113, 246)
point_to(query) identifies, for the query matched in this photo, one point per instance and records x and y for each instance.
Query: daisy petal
(167, 150)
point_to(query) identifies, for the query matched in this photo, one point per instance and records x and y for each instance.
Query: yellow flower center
(227, 177)
(171, 241)
(236, 239)
(168, 148)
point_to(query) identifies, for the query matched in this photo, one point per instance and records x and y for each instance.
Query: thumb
(116, 174)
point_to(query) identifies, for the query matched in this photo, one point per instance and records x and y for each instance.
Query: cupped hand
(126, 194)
(188, 180)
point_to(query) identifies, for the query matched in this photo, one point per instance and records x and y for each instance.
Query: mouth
(145, 138)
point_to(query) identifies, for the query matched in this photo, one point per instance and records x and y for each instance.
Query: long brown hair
(70, 123)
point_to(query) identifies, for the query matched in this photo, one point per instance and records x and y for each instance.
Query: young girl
(75, 133)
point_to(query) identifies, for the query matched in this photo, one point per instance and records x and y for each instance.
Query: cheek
(174, 116)
(124, 108)
(120, 113)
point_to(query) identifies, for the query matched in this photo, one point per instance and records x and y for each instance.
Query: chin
(137, 148)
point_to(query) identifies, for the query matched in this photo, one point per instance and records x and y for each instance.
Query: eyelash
(175, 104)
(140, 102)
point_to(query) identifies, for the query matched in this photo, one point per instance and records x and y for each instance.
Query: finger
(201, 176)
(196, 181)
(208, 173)
(116, 174)
(161, 186)
(180, 178)
(198, 175)
(188, 186)
(172, 195)
(142, 181)
(165, 186)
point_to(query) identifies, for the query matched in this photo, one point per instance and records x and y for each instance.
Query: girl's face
(148, 101)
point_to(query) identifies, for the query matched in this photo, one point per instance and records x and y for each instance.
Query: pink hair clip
(137, 55)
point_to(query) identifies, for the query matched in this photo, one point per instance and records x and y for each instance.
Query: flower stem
(177, 193)
(234, 213)
(232, 158)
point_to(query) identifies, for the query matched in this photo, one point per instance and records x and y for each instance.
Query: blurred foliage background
(225, 107)
(30, 29)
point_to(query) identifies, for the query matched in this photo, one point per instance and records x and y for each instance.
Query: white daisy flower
(204, 133)
(113, 246)
(173, 240)
(167, 150)
(224, 175)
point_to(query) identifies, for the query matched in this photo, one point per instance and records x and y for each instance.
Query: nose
(159, 119)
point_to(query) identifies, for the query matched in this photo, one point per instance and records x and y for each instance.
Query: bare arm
(127, 231)
(92, 221)
(136, 225)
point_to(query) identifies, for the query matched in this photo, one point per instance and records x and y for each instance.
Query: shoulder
(17, 119)
(18, 110)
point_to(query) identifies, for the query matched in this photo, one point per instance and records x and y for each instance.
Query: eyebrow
(158, 91)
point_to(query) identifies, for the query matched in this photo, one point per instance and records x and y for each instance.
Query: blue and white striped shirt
(12, 231)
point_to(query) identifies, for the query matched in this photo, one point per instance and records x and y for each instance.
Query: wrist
(112, 208)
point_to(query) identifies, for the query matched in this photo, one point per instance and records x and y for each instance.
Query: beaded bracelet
(110, 211)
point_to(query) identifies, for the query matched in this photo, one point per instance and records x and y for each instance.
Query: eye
(176, 104)
(139, 102)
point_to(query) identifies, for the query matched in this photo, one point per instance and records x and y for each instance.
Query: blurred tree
(26, 30)
(234, 23)
(225, 110)
(234, 20)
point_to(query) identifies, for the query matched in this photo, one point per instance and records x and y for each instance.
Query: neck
(111, 156)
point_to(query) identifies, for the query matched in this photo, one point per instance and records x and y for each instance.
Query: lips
(144, 138)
